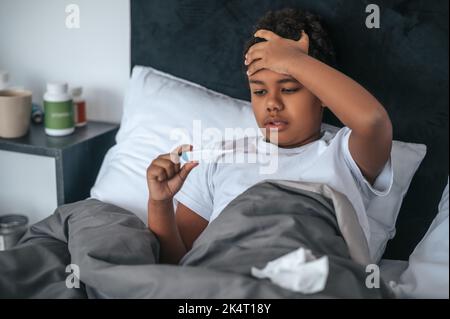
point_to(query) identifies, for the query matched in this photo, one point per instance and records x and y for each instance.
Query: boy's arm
(161, 221)
(176, 232)
(190, 225)
(165, 177)
(371, 138)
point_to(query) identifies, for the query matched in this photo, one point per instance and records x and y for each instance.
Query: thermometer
(203, 155)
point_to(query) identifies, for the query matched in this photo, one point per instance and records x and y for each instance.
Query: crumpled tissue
(298, 271)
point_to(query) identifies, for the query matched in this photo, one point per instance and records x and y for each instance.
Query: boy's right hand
(165, 176)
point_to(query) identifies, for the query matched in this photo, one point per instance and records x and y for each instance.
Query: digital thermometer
(203, 155)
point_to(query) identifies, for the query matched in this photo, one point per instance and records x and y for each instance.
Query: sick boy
(291, 81)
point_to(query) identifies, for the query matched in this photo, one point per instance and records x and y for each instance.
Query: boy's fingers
(157, 173)
(167, 165)
(304, 36)
(186, 169)
(304, 41)
(183, 148)
(173, 158)
(265, 34)
(176, 153)
(253, 55)
(164, 156)
(162, 174)
(256, 47)
(255, 67)
(162, 177)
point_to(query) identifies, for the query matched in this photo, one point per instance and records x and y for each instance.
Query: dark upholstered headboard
(404, 64)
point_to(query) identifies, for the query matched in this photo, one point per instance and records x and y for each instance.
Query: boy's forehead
(267, 76)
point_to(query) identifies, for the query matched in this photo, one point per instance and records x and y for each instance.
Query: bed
(403, 63)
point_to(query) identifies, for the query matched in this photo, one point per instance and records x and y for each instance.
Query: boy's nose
(274, 104)
(272, 107)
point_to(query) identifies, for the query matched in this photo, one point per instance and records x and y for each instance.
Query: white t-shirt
(211, 186)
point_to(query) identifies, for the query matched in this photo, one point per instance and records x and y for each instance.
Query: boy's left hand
(276, 53)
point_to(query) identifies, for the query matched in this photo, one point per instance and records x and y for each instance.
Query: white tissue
(298, 271)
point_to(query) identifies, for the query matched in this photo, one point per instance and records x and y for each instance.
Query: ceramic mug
(15, 112)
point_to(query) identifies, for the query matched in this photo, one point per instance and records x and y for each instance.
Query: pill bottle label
(58, 115)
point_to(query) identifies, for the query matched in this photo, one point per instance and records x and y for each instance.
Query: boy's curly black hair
(288, 23)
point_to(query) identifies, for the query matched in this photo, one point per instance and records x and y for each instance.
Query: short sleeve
(196, 192)
(382, 184)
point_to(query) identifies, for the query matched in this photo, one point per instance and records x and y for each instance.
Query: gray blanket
(117, 255)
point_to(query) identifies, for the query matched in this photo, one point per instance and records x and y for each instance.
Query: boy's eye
(290, 90)
(259, 92)
(284, 90)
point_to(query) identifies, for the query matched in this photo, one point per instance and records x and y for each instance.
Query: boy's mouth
(276, 123)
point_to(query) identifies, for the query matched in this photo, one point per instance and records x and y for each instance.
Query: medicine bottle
(79, 106)
(58, 110)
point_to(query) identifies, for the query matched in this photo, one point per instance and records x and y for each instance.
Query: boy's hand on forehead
(276, 53)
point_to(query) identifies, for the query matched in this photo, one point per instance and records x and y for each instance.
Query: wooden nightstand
(38, 173)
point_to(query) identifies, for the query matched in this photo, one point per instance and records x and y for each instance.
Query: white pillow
(157, 102)
(382, 211)
(427, 273)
